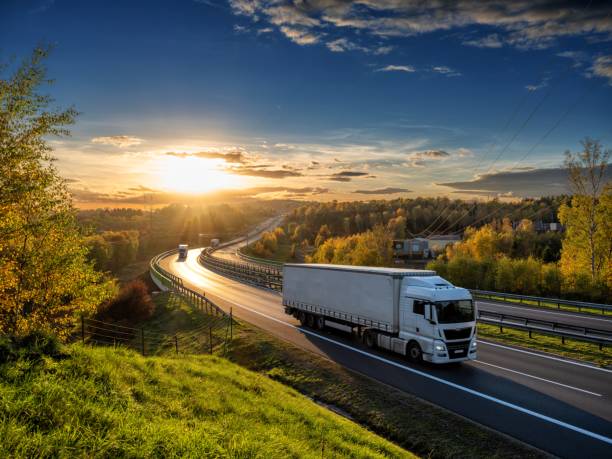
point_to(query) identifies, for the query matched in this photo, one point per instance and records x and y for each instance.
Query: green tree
(45, 278)
(587, 247)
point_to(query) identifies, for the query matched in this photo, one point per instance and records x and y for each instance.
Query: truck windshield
(450, 312)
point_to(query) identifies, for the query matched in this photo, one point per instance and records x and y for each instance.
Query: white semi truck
(411, 312)
(183, 249)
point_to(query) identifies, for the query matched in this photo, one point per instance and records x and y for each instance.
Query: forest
(500, 249)
(118, 237)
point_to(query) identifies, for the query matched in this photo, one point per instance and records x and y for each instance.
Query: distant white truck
(411, 312)
(182, 251)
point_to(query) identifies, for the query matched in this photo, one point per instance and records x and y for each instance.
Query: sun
(194, 175)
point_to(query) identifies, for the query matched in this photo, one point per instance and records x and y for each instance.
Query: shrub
(32, 346)
(133, 304)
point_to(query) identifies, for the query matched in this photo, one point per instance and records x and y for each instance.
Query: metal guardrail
(272, 278)
(592, 335)
(580, 305)
(262, 276)
(260, 261)
(168, 281)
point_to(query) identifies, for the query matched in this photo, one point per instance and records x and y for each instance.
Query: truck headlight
(439, 347)
(474, 344)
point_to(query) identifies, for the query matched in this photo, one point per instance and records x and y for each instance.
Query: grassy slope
(114, 403)
(418, 426)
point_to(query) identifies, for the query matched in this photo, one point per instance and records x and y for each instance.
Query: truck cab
(439, 317)
(182, 251)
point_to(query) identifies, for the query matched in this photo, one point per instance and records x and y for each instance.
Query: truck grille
(458, 350)
(459, 333)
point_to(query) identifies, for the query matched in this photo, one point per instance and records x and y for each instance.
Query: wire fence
(210, 334)
(213, 331)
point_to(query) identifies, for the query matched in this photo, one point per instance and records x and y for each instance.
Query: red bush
(132, 305)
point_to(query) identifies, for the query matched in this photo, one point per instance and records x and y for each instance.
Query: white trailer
(412, 312)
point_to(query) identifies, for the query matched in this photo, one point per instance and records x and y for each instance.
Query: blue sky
(320, 99)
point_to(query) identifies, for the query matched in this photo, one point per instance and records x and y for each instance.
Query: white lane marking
(550, 357)
(536, 377)
(544, 310)
(476, 393)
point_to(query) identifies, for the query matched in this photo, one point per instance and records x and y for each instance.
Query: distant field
(101, 402)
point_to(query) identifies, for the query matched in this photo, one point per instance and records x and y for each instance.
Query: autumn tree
(587, 247)
(45, 278)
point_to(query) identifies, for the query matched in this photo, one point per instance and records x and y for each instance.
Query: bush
(32, 346)
(132, 305)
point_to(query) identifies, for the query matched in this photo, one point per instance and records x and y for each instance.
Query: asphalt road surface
(560, 406)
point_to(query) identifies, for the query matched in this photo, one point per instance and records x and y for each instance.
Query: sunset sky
(320, 99)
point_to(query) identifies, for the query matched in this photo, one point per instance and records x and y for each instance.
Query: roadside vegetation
(576, 350)
(107, 402)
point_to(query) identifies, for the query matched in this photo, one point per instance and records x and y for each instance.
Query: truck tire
(369, 338)
(414, 352)
(320, 323)
(310, 320)
(302, 318)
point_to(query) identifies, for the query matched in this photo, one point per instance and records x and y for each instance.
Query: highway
(550, 315)
(559, 406)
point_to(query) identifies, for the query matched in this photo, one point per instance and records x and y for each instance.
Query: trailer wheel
(320, 323)
(302, 318)
(414, 354)
(369, 338)
(310, 320)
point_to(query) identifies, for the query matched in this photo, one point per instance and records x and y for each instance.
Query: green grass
(573, 349)
(104, 402)
(412, 423)
(547, 305)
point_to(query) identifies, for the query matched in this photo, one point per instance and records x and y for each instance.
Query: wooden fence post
(176, 343)
(142, 342)
(231, 325)
(210, 337)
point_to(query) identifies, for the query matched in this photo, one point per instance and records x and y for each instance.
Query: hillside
(114, 403)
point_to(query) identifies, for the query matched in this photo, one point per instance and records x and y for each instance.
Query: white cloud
(464, 152)
(382, 50)
(120, 141)
(490, 41)
(523, 24)
(240, 29)
(602, 67)
(538, 86)
(397, 68)
(444, 70)
(341, 45)
(300, 36)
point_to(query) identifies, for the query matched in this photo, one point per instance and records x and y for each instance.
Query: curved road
(560, 406)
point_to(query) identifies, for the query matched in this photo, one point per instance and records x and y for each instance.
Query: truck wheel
(302, 318)
(310, 320)
(415, 355)
(369, 338)
(320, 323)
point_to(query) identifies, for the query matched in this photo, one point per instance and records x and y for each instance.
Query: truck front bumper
(440, 359)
